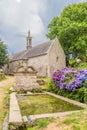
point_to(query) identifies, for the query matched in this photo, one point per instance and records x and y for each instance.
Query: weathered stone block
(25, 78)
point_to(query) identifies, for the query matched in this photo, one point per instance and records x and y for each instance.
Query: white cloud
(18, 16)
(82, 0)
(18, 1)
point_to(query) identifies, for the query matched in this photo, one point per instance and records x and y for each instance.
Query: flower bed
(70, 83)
(69, 79)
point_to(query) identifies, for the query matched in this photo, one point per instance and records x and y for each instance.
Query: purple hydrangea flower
(76, 78)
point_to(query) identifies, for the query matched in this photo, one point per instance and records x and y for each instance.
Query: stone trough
(15, 116)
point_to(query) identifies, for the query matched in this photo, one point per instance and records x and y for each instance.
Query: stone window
(57, 59)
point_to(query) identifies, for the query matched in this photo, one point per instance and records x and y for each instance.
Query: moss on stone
(41, 104)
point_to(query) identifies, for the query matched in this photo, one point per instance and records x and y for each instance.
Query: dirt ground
(58, 125)
(54, 126)
(4, 86)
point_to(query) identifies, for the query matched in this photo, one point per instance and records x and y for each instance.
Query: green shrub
(85, 96)
(52, 87)
(72, 62)
(79, 95)
(82, 65)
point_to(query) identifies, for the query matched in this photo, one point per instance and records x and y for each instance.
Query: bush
(72, 62)
(69, 79)
(79, 95)
(76, 91)
(82, 65)
(52, 87)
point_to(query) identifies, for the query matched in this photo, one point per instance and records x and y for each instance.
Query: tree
(3, 54)
(71, 29)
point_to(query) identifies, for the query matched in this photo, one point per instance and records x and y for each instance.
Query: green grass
(76, 121)
(42, 124)
(76, 127)
(71, 121)
(46, 80)
(32, 128)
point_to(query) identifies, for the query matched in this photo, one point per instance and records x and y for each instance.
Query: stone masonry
(25, 78)
(45, 58)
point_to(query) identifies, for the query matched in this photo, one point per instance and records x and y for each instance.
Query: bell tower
(29, 41)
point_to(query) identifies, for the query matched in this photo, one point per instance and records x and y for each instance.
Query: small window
(57, 59)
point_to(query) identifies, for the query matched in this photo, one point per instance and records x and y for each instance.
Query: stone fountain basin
(15, 116)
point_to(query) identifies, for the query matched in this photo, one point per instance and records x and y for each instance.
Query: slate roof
(38, 50)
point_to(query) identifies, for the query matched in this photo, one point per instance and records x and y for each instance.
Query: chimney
(29, 41)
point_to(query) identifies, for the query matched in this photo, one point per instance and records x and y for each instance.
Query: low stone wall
(82, 105)
(14, 114)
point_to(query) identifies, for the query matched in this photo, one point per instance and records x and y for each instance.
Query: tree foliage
(71, 29)
(3, 54)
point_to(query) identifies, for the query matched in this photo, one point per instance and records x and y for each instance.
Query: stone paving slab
(15, 115)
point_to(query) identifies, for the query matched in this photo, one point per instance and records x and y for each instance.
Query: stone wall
(57, 59)
(40, 64)
(46, 64)
(10, 67)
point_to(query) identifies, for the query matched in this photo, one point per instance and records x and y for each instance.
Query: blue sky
(19, 16)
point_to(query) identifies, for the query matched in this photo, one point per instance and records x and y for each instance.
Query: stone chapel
(45, 58)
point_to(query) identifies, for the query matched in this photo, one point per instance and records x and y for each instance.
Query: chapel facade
(45, 58)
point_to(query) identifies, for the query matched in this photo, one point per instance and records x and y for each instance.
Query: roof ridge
(41, 44)
(37, 50)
